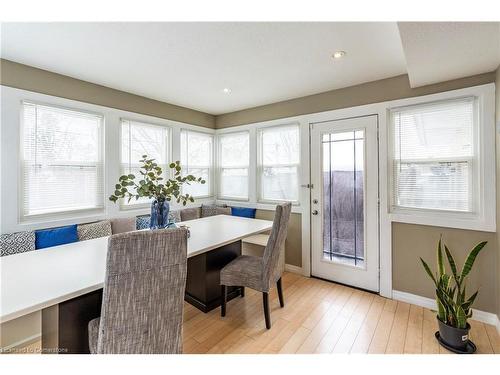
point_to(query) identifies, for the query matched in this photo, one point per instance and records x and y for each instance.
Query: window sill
(296, 208)
(35, 222)
(445, 220)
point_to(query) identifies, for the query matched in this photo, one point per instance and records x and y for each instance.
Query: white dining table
(38, 279)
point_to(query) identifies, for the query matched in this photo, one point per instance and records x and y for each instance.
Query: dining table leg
(65, 325)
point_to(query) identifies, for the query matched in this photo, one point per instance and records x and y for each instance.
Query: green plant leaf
(468, 304)
(469, 262)
(440, 261)
(452, 264)
(428, 270)
(151, 183)
(461, 317)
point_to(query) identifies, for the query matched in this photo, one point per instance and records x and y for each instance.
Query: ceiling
(441, 51)
(189, 64)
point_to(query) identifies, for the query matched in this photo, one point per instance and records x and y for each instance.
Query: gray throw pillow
(94, 230)
(212, 210)
(190, 213)
(123, 224)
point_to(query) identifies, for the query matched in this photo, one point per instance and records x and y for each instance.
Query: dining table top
(39, 279)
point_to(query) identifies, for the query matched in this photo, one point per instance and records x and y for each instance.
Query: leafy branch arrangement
(453, 307)
(153, 185)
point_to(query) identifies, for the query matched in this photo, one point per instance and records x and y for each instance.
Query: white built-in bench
(255, 245)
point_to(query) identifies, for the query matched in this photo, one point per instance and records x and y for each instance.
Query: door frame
(385, 236)
(374, 214)
(485, 92)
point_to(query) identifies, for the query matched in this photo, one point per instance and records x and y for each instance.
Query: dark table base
(203, 289)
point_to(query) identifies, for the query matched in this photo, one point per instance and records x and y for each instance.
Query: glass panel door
(344, 201)
(343, 197)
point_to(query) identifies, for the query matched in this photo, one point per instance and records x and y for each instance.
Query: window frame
(219, 168)
(260, 166)
(211, 166)
(23, 218)
(481, 217)
(123, 206)
(472, 161)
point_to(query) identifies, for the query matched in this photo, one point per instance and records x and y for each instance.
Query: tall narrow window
(197, 159)
(62, 160)
(138, 139)
(279, 160)
(233, 165)
(343, 181)
(434, 162)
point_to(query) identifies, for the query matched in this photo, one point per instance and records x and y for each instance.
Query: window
(279, 159)
(139, 138)
(197, 159)
(62, 160)
(435, 163)
(234, 157)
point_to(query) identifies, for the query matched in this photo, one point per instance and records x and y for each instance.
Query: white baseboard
(429, 303)
(293, 269)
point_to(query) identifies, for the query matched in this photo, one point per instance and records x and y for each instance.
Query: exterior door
(344, 201)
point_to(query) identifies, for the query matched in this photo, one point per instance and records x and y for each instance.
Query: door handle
(315, 212)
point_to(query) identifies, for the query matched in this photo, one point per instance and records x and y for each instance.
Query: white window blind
(197, 159)
(434, 156)
(62, 160)
(138, 139)
(279, 160)
(234, 155)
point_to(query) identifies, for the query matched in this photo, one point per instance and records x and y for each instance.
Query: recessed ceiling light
(339, 54)
(226, 90)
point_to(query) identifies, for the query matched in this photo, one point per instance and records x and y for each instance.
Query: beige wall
(29, 78)
(293, 244)
(409, 242)
(366, 93)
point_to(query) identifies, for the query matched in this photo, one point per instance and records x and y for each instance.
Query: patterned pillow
(142, 222)
(175, 216)
(212, 210)
(94, 230)
(15, 243)
(190, 214)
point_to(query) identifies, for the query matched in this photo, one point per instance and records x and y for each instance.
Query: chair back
(142, 306)
(272, 254)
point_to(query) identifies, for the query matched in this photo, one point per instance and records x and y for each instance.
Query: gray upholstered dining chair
(142, 303)
(260, 273)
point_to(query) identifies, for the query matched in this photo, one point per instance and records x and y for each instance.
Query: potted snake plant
(454, 308)
(154, 186)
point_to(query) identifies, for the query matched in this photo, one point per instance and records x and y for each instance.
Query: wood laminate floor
(321, 317)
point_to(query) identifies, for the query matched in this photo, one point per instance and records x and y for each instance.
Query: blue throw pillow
(55, 236)
(142, 222)
(243, 212)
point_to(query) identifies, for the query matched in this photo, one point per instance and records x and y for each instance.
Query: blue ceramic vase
(159, 214)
